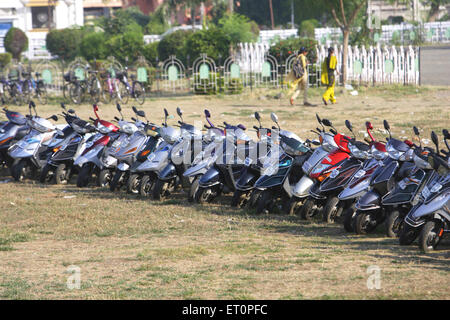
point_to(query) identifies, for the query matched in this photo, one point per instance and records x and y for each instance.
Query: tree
(129, 44)
(64, 43)
(93, 46)
(16, 42)
(348, 12)
(239, 28)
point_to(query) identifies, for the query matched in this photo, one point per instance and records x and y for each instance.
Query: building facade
(36, 17)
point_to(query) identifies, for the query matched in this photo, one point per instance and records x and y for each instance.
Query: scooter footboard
(371, 200)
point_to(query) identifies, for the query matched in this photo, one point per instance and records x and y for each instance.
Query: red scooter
(334, 150)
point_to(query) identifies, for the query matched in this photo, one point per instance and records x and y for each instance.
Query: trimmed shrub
(15, 42)
(93, 45)
(5, 59)
(129, 44)
(150, 52)
(174, 44)
(213, 41)
(64, 43)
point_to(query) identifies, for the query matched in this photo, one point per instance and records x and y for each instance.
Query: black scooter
(370, 211)
(11, 131)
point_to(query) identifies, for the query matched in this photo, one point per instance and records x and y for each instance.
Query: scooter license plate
(248, 161)
(402, 184)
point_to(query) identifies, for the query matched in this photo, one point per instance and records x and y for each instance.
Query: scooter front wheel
(84, 175)
(430, 236)
(407, 235)
(365, 222)
(62, 174)
(133, 184)
(308, 209)
(265, 202)
(116, 182)
(104, 178)
(46, 174)
(193, 189)
(146, 185)
(161, 189)
(204, 195)
(19, 170)
(349, 218)
(332, 210)
(393, 224)
(240, 198)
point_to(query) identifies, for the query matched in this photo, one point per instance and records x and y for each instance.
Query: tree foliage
(15, 42)
(239, 28)
(64, 43)
(93, 46)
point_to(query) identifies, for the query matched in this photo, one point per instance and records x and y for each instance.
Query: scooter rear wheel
(349, 215)
(393, 224)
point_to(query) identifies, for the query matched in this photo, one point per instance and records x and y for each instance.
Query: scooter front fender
(246, 181)
(169, 172)
(355, 191)
(369, 201)
(301, 189)
(210, 178)
(441, 201)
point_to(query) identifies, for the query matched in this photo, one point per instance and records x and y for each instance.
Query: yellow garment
(329, 93)
(325, 68)
(300, 83)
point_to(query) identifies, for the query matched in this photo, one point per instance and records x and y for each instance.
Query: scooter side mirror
(207, 113)
(435, 140)
(54, 117)
(274, 117)
(446, 134)
(369, 125)
(386, 125)
(179, 112)
(119, 108)
(140, 113)
(416, 131)
(63, 105)
(134, 109)
(257, 116)
(327, 123)
(318, 118)
(71, 111)
(349, 125)
(95, 108)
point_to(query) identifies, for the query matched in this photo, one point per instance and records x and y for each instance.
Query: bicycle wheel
(95, 90)
(123, 94)
(139, 92)
(16, 96)
(41, 93)
(75, 92)
(105, 94)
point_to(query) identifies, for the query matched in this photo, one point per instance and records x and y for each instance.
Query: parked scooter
(95, 159)
(60, 166)
(30, 153)
(221, 176)
(330, 155)
(11, 131)
(281, 169)
(370, 210)
(142, 141)
(399, 201)
(430, 218)
(156, 161)
(252, 166)
(205, 159)
(181, 156)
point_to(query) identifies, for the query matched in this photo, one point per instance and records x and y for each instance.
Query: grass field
(132, 248)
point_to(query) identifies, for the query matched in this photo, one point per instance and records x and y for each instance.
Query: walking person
(299, 78)
(328, 78)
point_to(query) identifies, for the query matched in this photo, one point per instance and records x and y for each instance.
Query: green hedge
(5, 59)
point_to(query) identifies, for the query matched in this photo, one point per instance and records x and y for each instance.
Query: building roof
(102, 3)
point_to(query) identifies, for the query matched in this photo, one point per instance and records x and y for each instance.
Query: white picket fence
(379, 64)
(405, 33)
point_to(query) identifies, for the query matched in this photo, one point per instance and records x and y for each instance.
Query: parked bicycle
(135, 90)
(113, 88)
(79, 88)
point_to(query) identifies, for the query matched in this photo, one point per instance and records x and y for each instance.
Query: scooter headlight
(321, 167)
(377, 154)
(436, 188)
(357, 153)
